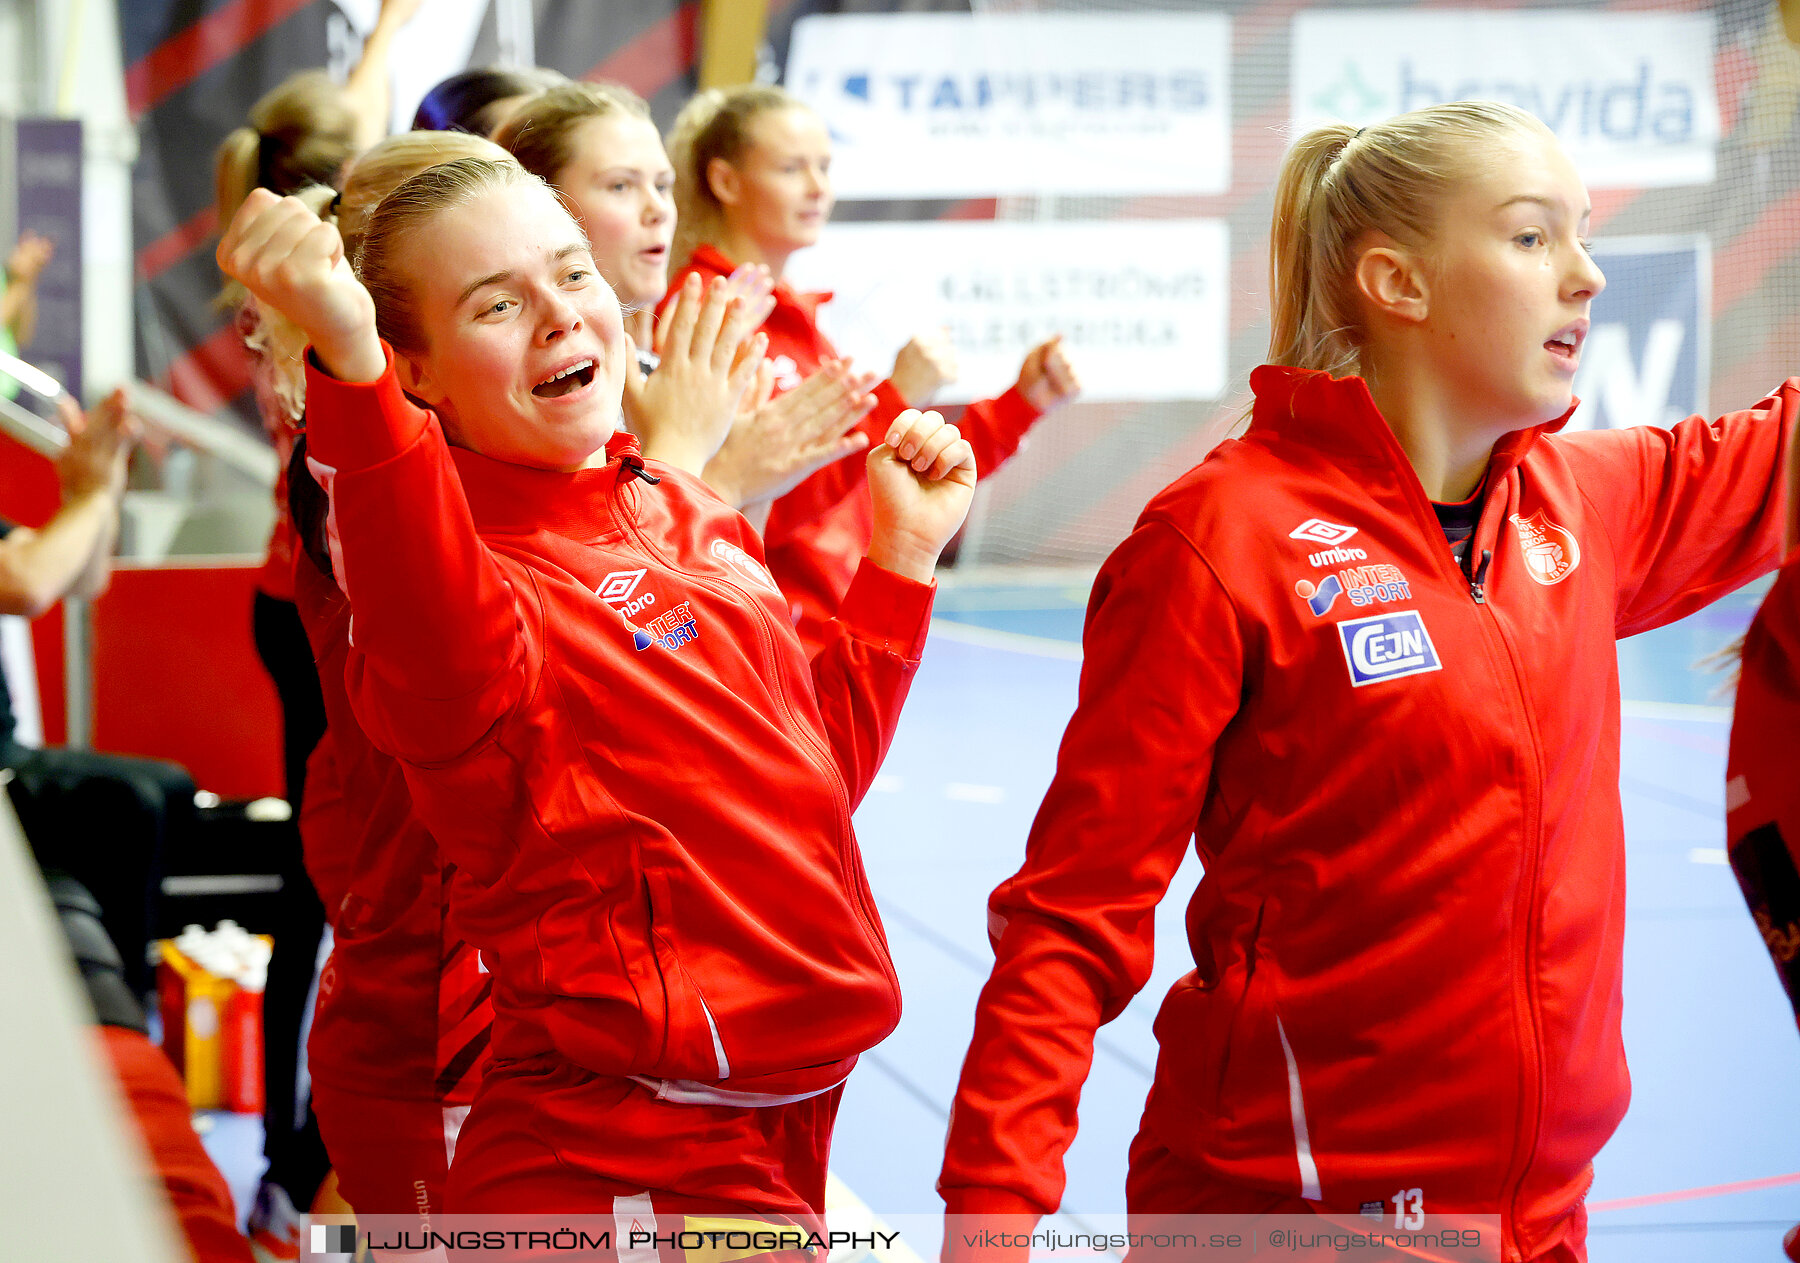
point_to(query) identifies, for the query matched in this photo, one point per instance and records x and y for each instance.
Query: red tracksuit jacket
(818, 532)
(608, 725)
(403, 1009)
(1762, 777)
(1403, 782)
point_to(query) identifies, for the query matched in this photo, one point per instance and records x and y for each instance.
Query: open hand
(1047, 378)
(708, 358)
(755, 284)
(294, 262)
(922, 478)
(29, 257)
(924, 366)
(776, 443)
(99, 449)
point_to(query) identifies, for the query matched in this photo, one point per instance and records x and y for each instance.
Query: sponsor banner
(971, 105)
(1630, 94)
(1141, 305)
(1649, 349)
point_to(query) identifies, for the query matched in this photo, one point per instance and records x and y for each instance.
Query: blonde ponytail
(1339, 183)
(300, 133)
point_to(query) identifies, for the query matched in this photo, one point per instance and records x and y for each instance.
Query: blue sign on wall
(1649, 350)
(47, 163)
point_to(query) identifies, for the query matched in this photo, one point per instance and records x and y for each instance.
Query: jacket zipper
(821, 757)
(1532, 1073)
(1474, 575)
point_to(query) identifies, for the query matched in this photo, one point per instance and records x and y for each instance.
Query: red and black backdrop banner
(195, 67)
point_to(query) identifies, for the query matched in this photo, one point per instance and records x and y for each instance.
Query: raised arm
(1073, 930)
(367, 86)
(922, 478)
(442, 641)
(1691, 512)
(18, 290)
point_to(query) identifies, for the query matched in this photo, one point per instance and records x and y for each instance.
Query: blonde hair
(387, 165)
(300, 133)
(715, 124)
(541, 133)
(1339, 183)
(406, 211)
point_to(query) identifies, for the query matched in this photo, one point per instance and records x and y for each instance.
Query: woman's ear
(1392, 282)
(722, 178)
(416, 380)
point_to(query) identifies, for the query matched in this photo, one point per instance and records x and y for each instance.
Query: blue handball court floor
(1706, 1165)
(1704, 1169)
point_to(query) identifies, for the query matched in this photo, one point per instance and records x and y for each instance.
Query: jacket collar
(708, 260)
(1338, 417)
(509, 499)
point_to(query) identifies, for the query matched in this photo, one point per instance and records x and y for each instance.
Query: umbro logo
(619, 585)
(1318, 531)
(617, 588)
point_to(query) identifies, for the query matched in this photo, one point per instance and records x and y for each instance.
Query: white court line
(957, 791)
(1708, 855)
(1675, 710)
(887, 783)
(1018, 642)
(846, 1212)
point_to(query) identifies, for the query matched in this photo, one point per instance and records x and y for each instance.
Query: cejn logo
(1387, 647)
(616, 590)
(1318, 531)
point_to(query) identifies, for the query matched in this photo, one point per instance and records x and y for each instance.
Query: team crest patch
(787, 373)
(1387, 647)
(745, 565)
(1551, 552)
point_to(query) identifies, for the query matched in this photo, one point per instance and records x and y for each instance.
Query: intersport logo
(1630, 95)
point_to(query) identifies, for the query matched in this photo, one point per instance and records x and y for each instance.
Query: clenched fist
(922, 478)
(294, 262)
(924, 366)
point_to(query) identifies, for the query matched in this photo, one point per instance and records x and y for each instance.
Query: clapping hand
(776, 443)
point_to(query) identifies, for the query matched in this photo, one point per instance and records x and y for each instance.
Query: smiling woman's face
(523, 354)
